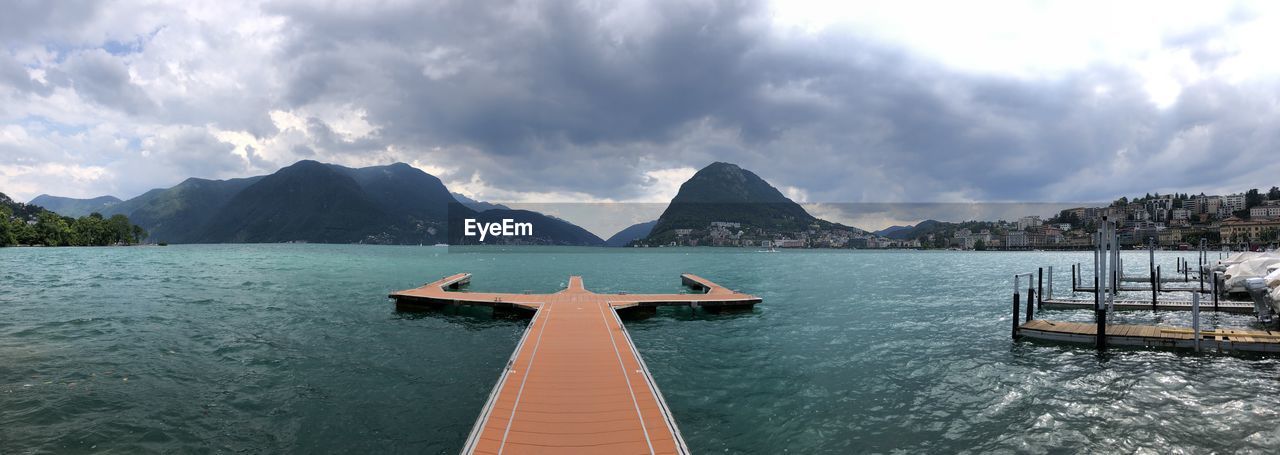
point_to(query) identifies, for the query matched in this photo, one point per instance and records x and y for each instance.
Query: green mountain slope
(73, 207)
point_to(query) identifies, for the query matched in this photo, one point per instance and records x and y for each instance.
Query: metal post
(1101, 315)
(1074, 278)
(1031, 292)
(1215, 291)
(1200, 273)
(1195, 318)
(1039, 291)
(1154, 290)
(1016, 303)
(1051, 282)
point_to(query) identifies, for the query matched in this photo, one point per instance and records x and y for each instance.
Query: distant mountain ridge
(478, 206)
(724, 192)
(631, 233)
(73, 207)
(317, 202)
(913, 231)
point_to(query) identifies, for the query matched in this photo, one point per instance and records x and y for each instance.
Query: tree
(139, 234)
(1274, 194)
(980, 245)
(8, 234)
(1252, 199)
(120, 230)
(52, 230)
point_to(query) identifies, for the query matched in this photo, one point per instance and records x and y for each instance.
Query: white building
(1271, 210)
(1233, 202)
(1028, 221)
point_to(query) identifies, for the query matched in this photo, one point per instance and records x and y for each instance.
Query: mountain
(727, 193)
(910, 232)
(72, 207)
(890, 230)
(324, 203)
(401, 190)
(181, 213)
(307, 201)
(631, 233)
(478, 205)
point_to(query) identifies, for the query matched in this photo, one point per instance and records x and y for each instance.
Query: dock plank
(576, 383)
(1148, 335)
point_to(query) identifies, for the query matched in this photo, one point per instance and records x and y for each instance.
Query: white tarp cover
(1257, 267)
(1247, 255)
(1273, 279)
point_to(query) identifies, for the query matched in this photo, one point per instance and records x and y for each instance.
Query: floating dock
(575, 383)
(1221, 340)
(1225, 306)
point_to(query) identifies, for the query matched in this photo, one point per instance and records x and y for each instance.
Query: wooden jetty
(1225, 306)
(575, 383)
(1150, 336)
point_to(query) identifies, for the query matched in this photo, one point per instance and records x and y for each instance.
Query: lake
(296, 348)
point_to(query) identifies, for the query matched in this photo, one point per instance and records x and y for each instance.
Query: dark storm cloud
(566, 96)
(579, 97)
(102, 79)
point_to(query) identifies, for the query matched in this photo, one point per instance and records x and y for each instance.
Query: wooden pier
(575, 383)
(1150, 336)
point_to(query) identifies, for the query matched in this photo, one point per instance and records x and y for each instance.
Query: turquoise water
(295, 348)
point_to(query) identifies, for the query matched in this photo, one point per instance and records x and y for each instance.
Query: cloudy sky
(603, 101)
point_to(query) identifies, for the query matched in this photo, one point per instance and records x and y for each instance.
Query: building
(788, 243)
(1028, 221)
(1233, 203)
(1171, 236)
(1015, 239)
(1206, 205)
(1180, 214)
(1268, 210)
(1237, 230)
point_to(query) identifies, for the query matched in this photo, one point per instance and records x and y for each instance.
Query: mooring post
(1073, 278)
(1031, 292)
(1016, 304)
(1215, 291)
(1039, 291)
(1195, 318)
(1101, 315)
(1051, 282)
(1154, 290)
(1200, 274)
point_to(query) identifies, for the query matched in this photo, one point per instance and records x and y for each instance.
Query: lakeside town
(1241, 221)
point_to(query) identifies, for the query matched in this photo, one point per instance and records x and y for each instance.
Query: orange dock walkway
(576, 383)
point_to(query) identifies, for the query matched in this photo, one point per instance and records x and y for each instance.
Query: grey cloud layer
(584, 98)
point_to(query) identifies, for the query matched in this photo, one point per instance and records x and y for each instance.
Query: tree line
(50, 229)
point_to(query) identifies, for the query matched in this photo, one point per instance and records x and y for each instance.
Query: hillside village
(1242, 221)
